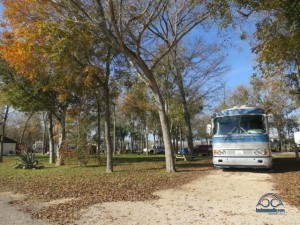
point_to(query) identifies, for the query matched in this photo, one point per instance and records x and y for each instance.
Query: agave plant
(28, 161)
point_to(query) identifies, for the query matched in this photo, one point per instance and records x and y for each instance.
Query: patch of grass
(287, 179)
(136, 177)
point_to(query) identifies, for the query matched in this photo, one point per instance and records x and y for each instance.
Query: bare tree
(198, 71)
(138, 29)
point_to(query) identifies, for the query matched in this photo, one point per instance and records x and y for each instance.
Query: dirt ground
(222, 197)
(13, 215)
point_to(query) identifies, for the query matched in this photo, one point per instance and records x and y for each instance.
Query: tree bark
(99, 128)
(169, 154)
(180, 85)
(152, 84)
(44, 133)
(62, 139)
(115, 120)
(109, 165)
(107, 113)
(25, 127)
(51, 140)
(3, 132)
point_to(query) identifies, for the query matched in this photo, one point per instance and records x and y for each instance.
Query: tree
(137, 107)
(43, 58)
(277, 38)
(4, 117)
(264, 93)
(138, 30)
(241, 96)
(197, 70)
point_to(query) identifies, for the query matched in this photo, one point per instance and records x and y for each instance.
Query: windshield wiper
(230, 133)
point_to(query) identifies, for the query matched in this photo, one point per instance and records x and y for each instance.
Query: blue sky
(239, 55)
(241, 60)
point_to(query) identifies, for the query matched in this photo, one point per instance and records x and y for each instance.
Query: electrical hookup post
(297, 141)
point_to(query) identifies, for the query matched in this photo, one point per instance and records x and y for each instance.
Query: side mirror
(270, 118)
(273, 133)
(297, 137)
(209, 129)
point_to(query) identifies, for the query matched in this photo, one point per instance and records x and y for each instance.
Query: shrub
(82, 156)
(28, 161)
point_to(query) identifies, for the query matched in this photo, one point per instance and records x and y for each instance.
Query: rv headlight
(261, 152)
(221, 152)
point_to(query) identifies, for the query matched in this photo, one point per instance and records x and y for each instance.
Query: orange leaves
(137, 100)
(20, 41)
(90, 70)
(18, 11)
(17, 55)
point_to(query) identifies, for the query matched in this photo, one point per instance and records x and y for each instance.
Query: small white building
(9, 146)
(38, 146)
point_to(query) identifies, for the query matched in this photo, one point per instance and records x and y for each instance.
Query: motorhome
(240, 138)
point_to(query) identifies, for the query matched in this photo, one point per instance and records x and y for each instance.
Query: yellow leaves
(89, 78)
(62, 98)
(90, 70)
(19, 55)
(17, 11)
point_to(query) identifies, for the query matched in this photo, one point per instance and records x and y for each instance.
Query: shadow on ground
(280, 165)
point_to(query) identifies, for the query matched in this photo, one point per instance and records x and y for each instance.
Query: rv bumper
(234, 162)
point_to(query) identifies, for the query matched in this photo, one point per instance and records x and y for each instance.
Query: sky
(239, 56)
(241, 60)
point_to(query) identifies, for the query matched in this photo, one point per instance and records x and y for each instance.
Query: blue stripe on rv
(240, 138)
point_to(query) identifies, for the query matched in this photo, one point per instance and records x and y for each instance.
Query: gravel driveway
(11, 215)
(222, 197)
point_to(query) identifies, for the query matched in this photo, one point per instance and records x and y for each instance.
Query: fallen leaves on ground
(132, 181)
(286, 177)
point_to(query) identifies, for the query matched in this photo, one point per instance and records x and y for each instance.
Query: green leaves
(28, 161)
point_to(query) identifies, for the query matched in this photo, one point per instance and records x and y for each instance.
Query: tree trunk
(169, 155)
(180, 85)
(177, 139)
(132, 139)
(142, 139)
(180, 137)
(99, 128)
(109, 166)
(115, 120)
(44, 133)
(146, 138)
(62, 139)
(3, 133)
(151, 83)
(78, 132)
(51, 140)
(25, 127)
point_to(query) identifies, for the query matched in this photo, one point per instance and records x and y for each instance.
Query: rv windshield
(248, 124)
